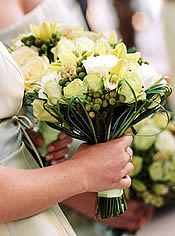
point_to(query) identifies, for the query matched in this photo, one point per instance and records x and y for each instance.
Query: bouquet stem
(108, 205)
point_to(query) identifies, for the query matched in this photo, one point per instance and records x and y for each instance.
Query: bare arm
(92, 168)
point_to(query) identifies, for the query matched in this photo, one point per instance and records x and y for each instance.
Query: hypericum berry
(90, 93)
(113, 94)
(79, 70)
(44, 47)
(104, 114)
(97, 106)
(98, 101)
(74, 77)
(104, 104)
(89, 99)
(38, 42)
(48, 41)
(62, 82)
(112, 101)
(91, 114)
(107, 96)
(54, 35)
(88, 107)
(96, 95)
(82, 75)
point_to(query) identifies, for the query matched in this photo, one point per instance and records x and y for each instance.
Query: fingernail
(62, 136)
(66, 156)
(51, 148)
(69, 145)
(49, 157)
(53, 162)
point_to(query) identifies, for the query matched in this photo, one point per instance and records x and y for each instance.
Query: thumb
(36, 137)
(82, 147)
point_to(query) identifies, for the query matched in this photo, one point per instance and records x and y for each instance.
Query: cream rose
(22, 55)
(33, 70)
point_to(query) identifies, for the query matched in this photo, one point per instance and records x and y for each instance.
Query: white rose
(84, 44)
(148, 75)
(22, 55)
(165, 142)
(99, 63)
(33, 70)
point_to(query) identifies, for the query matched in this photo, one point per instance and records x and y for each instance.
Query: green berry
(113, 94)
(79, 70)
(44, 47)
(97, 106)
(38, 42)
(82, 75)
(98, 101)
(90, 93)
(107, 96)
(102, 96)
(74, 77)
(92, 114)
(96, 95)
(89, 99)
(28, 43)
(96, 55)
(62, 82)
(48, 41)
(112, 101)
(104, 104)
(54, 35)
(88, 107)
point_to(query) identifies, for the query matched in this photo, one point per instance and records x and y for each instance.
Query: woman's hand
(106, 165)
(57, 151)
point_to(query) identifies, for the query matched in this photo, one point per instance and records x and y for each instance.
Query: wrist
(78, 176)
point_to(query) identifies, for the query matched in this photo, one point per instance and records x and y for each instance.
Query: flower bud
(88, 107)
(97, 106)
(98, 101)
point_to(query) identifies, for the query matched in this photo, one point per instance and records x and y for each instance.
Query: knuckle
(127, 182)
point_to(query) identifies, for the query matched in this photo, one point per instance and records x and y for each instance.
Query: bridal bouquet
(91, 88)
(154, 161)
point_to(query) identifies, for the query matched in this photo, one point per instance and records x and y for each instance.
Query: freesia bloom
(99, 63)
(148, 75)
(50, 88)
(44, 31)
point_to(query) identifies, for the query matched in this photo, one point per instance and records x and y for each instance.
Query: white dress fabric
(14, 154)
(64, 11)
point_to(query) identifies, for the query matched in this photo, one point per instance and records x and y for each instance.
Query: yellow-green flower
(75, 88)
(44, 31)
(94, 82)
(40, 113)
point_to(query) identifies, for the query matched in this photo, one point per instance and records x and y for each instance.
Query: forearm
(28, 192)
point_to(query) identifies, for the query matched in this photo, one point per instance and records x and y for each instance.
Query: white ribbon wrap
(111, 193)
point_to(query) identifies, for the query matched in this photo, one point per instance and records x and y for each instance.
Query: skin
(57, 151)
(85, 172)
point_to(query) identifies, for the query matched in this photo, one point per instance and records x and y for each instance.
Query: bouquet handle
(110, 203)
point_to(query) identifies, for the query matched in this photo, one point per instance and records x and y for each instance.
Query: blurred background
(149, 27)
